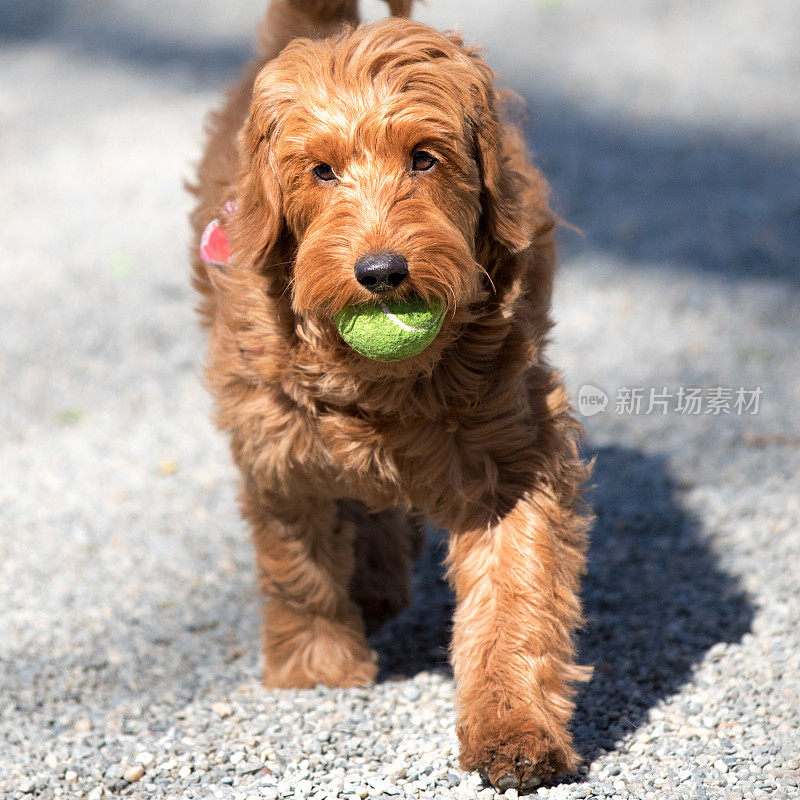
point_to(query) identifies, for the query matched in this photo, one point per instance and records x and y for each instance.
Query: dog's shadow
(655, 599)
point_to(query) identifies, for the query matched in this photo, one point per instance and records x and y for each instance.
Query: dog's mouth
(390, 330)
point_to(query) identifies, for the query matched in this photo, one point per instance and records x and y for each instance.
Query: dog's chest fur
(381, 460)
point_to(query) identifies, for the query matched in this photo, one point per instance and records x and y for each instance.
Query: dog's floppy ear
(502, 205)
(258, 222)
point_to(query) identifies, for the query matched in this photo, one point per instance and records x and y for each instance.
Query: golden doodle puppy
(352, 166)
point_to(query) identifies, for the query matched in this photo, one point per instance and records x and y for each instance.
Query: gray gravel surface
(129, 626)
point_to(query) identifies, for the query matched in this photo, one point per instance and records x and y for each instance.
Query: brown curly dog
(385, 141)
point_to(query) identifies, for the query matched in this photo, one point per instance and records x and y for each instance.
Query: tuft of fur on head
(363, 102)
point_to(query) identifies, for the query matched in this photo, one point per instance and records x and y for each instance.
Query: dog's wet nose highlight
(381, 272)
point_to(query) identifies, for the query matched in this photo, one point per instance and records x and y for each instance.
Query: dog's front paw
(522, 760)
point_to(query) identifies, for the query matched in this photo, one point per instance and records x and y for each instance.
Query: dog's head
(375, 160)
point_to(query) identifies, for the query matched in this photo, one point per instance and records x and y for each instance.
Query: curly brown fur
(475, 432)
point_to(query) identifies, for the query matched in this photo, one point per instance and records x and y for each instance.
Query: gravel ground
(129, 632)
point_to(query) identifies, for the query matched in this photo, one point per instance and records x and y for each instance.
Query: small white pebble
(237, 757)
(145, 758)
(397, 769)
(465, 791)
(132, 774)
(222, 709)
(70, 776)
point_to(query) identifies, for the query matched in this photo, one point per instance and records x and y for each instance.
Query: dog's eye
(325, 172)
(422, 160)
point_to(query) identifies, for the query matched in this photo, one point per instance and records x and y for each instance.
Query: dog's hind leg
(313, 631)
(386, 546)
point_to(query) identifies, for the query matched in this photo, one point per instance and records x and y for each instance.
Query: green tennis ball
(393, 329)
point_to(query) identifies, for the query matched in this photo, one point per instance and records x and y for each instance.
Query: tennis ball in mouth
(393, 329)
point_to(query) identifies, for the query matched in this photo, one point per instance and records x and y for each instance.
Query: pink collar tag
(214, 245)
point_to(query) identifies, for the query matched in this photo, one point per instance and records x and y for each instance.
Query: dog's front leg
(516, 581)
(313, 632)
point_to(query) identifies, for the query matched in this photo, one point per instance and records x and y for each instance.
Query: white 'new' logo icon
(591, 400)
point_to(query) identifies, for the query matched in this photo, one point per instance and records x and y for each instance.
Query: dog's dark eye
(422, 160)
(325, 172)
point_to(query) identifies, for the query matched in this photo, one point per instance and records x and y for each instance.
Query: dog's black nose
(381, 272)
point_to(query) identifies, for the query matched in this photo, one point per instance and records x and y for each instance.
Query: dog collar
(214, 245)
